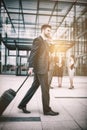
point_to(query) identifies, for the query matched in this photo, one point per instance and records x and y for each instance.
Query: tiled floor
(71, 104)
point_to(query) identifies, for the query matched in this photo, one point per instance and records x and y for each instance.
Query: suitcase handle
(22, 83)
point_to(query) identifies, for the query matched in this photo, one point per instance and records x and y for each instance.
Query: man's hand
(30, 71)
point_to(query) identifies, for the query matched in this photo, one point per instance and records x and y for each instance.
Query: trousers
(39, 79)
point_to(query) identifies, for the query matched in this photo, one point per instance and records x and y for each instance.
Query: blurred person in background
(59, 69)
(71, 65)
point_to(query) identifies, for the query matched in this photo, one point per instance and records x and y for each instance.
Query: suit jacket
(39, 56)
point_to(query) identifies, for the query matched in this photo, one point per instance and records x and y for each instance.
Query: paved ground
(71, 104)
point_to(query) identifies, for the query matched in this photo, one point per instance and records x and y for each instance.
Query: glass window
(23, 53)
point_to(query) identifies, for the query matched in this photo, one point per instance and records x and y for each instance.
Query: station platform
(70, 103)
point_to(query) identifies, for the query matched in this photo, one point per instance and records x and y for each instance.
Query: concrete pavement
(71, 104)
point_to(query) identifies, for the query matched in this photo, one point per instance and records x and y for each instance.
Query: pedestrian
(39, 63)
(59, 69)
(51, 60)
(71, 65)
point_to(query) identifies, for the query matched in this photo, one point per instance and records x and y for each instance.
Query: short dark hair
(44, 26)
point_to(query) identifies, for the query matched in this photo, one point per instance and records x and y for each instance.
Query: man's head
(46, 30)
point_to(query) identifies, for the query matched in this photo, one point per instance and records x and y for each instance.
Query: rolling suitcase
(8, 96)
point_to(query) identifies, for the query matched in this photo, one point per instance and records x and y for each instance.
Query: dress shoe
(51, 113)
(24, 109)
(51, 87)
(71, 87)
(59, 86)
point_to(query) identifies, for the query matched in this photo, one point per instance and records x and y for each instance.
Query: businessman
(39, 64)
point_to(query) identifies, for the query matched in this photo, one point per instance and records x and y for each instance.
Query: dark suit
(39, 60)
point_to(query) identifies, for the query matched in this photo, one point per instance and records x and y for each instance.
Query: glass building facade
(16, 35)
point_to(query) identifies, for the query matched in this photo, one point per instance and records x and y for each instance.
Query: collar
(44, 38)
